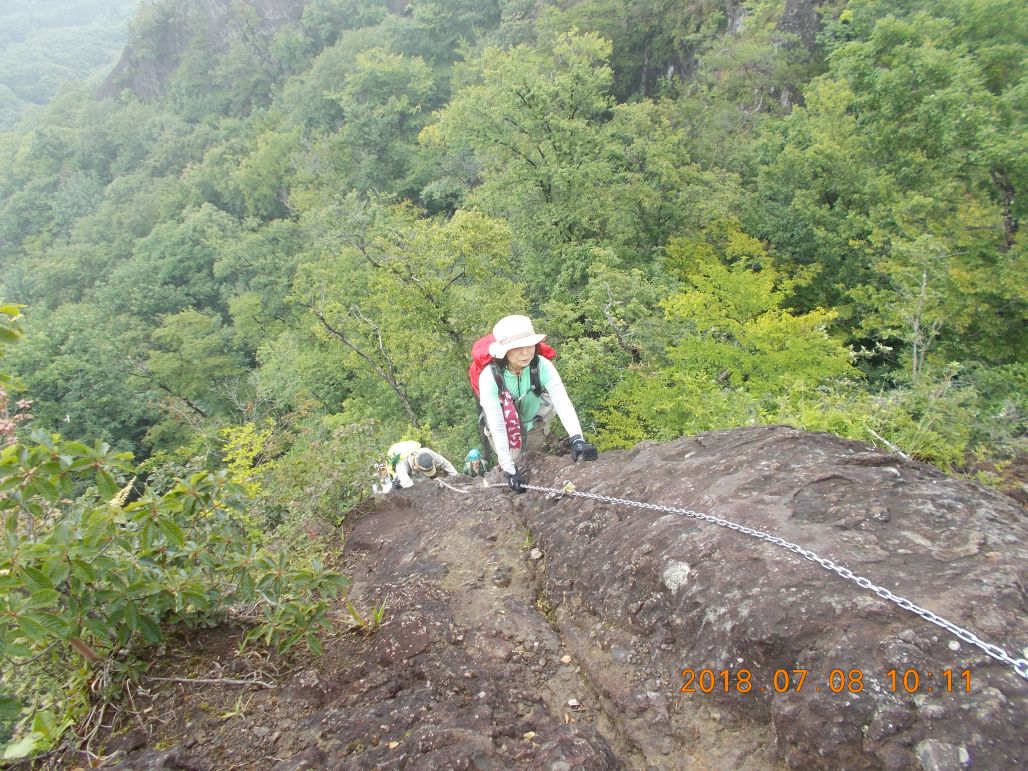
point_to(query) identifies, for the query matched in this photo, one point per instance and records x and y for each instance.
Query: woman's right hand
(515, 481)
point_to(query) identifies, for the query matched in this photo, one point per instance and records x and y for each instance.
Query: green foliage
(899, 173)
(531, 124)
(382, 101)
(664, 404)
(405, 299)
(172, 267)
(651, 38)
(81, 381)
(87, 573)
(323, 20)
(308, 222)
(43, 45)
(10, 417)
(304, 476)
(192, 359)
(734, 326)
(736, 347)
(262, 177)
(10, 315)
(309, 98)
(231, 72)
(574, 173)
(369, 623)
(613, 326)
(243, 446)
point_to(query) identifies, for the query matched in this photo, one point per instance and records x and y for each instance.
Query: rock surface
(649, 594)
(490, 658)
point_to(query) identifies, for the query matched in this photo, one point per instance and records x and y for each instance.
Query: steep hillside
(46, 44)
(544, 631)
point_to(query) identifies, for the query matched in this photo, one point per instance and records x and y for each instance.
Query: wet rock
(501, 576)
(312, 757)
(702, 597)
(576, 747)
(888, 720)
(580, 660)
(306, 687)
(933, 755)
(174, 759)
(406, 639)
(128, 742)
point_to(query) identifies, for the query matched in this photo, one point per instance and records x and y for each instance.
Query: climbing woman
(520, 392)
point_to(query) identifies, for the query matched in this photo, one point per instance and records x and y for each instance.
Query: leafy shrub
(303, 476)
(83, 571)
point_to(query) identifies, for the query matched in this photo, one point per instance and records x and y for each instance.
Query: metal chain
(466, 490)
(1020, 666)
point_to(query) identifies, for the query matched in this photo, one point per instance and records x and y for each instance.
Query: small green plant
(368, 624)
(238, 710)
(45, 729)
(543, 606)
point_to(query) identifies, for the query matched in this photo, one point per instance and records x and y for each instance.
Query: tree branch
(388, 375)
(623, 343)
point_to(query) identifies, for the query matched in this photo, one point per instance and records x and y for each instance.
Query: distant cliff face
(167, 28)
(801, 18)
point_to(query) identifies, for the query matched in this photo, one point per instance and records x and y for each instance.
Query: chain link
(1020, 666)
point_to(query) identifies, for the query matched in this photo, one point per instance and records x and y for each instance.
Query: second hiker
(412, 463)
(475, 465)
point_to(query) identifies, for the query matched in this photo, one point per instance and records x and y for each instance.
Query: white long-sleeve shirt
(405, 473)
(527, 403)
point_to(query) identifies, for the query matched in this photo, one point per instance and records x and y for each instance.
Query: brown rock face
(801, 18)
(671, 642)
(542, 632)
(650, 594)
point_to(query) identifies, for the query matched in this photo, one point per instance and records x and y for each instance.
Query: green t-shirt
(520, 388)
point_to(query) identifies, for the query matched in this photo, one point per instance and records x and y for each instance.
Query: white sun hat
(513, 332)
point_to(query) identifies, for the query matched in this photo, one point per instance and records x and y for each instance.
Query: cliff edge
(556, 631)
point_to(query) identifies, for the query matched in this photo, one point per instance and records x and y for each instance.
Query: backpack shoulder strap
(533, 371)
(500, 385)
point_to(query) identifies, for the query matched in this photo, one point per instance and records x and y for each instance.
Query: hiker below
(413, 463)
(475, 465)
(517, 416)
(384, 481)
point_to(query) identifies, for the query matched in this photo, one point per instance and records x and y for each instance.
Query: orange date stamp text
(709, 681)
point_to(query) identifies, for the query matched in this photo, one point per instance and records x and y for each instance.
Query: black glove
(516, 481)
(582, 450)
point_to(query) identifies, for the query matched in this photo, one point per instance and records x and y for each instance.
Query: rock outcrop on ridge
(210, 25)
(641, 595)
(535, 631)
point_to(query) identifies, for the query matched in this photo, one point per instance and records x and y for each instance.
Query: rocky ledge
(562, 632)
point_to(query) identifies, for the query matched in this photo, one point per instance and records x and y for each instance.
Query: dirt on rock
(553, 631)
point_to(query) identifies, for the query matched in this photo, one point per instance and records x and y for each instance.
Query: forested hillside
(44, 43)
(268, 243)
